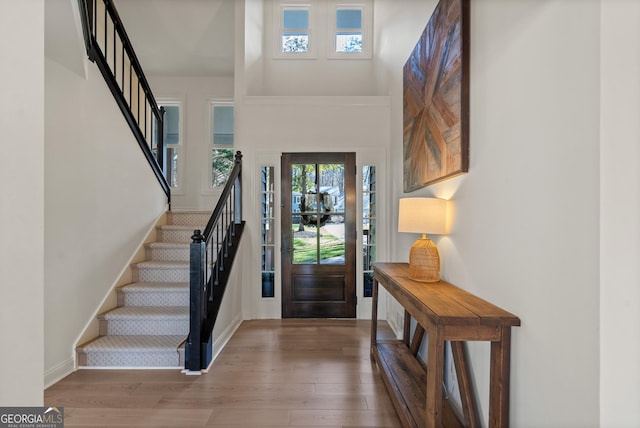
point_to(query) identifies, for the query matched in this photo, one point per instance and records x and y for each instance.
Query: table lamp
(423, 215)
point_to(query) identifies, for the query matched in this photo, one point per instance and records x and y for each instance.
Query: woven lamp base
(424, 261)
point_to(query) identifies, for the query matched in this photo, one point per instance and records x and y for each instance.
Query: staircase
(151, 323)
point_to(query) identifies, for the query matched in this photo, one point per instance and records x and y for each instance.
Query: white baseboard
(58, 372)
(221, 341)
(129, 368)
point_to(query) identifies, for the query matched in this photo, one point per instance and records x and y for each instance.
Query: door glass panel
(303, 181)
(268, 258)
(305, 245)
(332, 186)
(267, 232)
(317, 192)
(332, 231)
(332, 241)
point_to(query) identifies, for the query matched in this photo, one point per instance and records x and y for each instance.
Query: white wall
(64, 41)
(22, 206)
(267, 75)
(250, 38)
(101, 198)
(620, 211)
(230, 315)
(268, 126)
(195, 94)
(525, 232)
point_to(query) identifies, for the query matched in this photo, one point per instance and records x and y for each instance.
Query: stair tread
(154, 287)
(133, 343)
(146, 312)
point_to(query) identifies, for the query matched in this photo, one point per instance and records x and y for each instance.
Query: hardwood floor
(272, 373)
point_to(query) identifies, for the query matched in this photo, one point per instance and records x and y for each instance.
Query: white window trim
(367, 29)
(265, 307)
(177, 101)
(278, 29)
(206, 182)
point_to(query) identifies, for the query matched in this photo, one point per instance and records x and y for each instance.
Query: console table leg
(499, 382)
(374, 318)
(469, 406)
(406, 329)
(435, 367)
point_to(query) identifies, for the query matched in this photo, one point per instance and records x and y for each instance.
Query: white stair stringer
(151, 323)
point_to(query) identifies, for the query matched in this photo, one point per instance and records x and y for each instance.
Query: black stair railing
(109, 47)
(212, 253)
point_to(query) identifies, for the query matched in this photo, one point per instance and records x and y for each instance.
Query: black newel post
(197, 253)
(237, 188)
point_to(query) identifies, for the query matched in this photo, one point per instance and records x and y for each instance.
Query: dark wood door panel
(321, 310)
(318, 288)
(318, 235)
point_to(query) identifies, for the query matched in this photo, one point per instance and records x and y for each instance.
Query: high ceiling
(181, 37)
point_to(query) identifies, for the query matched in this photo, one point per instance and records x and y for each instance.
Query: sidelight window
(267, 243)
(368, 226)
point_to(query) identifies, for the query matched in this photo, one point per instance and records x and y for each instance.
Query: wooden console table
(446, 313)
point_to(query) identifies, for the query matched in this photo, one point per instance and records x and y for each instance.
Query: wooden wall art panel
(436, 99)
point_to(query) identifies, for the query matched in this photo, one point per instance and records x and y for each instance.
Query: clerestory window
(350, 30)
(295, 31)
(335, 29)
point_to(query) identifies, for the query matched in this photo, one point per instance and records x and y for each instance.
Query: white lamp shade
(423, 215)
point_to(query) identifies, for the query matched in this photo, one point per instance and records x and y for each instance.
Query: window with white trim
(172, 133)
(368, 226)
(222, 154)
(350, 28)
(267, 236)
(295, 30)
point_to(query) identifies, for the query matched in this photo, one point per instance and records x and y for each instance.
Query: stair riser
(175, 235)
(119, 348)
(160, 275)
(151, 327)
(131, 359)
(168, 254)
(153, 298)
(196, 220)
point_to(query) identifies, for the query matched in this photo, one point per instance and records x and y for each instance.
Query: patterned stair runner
(151, 322)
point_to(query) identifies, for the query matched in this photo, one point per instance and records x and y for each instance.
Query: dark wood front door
(318, 235)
